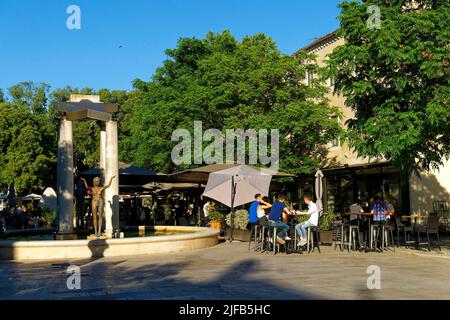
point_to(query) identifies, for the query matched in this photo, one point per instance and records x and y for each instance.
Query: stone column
(102, 165)
(65, 180)
(112, 169)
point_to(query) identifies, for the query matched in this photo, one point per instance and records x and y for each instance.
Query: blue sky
(35, 44)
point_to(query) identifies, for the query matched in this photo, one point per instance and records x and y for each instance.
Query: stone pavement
(229, 271)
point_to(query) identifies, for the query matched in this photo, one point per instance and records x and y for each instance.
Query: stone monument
(87, 107)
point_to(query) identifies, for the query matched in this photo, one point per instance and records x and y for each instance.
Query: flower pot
(326, 237)
(215, 224)
(240, 235)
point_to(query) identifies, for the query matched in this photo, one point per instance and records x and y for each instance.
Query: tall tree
(27, 148)
(30, 95)
(228, 84)
(397, 80)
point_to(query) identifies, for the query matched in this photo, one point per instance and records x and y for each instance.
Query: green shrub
(327, 220)
(216, 215)
(241, 218)
(47, 216)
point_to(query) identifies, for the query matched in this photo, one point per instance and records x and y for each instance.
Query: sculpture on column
(98, 203)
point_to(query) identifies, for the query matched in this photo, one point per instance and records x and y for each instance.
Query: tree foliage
(27, 148)
(397, 79)
(228, 84)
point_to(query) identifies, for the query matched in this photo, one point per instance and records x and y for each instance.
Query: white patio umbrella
(319, 191)
(237, 186)
(32, 197)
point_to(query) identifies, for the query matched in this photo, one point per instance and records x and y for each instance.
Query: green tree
(396, 79)
(228, 84)
(30, 95)
(27, 148)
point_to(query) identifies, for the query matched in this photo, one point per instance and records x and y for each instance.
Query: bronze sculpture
(97, 203)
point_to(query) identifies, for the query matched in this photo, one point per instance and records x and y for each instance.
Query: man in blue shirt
(253, 215)
(275, 218)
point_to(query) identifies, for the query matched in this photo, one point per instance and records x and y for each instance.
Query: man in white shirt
(313, 221)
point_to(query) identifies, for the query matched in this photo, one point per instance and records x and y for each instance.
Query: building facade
(349, 177)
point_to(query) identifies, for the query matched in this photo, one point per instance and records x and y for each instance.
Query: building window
(310, 77)
(332, 81)
(335, 143)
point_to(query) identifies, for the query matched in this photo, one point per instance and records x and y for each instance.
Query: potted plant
(240, 223)
(326, 227)
(47, 217)
(215, 220)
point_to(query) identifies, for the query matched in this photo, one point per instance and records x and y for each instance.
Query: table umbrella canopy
(128, 174)
(319, 190)
(201, 174)
(248, 182)
(32, 197)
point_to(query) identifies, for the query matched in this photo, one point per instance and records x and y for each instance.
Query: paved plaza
(230, 271)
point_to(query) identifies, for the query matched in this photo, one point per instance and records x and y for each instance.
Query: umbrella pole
(233, 193)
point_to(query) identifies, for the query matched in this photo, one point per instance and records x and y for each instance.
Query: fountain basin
(190, 238)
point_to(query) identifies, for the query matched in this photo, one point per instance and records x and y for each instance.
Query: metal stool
(313, 239)
(254, 236)
(350, 236)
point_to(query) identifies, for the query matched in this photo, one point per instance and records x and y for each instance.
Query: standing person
(275, 218)
(313, 221)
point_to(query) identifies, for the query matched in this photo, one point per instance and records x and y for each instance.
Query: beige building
(349, 177)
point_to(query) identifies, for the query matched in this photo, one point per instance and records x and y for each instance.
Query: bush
(47, 216)
(241, 218)
(327, 220)
(216, 215)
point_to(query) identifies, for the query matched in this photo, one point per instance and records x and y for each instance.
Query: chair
(401, 227)
(432, 227)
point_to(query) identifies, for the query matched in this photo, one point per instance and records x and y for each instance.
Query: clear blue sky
(35, 44)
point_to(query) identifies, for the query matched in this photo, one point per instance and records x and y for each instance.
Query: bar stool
(271, 239)
(254, 236)
(388, 237)
(337, 233)
(353, 234)
(313, 239)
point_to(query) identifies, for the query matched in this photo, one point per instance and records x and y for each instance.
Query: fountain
(65, 246)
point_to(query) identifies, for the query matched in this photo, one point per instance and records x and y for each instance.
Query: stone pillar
(111, 169)
(102, 165)
(65, 180)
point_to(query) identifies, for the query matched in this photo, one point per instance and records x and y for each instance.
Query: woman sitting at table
(262, 211)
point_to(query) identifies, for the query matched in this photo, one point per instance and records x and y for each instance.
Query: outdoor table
(365, 214)
(291, 224)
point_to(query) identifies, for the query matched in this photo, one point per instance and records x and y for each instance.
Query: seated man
(355, 209)
(253, 214)
(379, 210)
(275, 218)
(313, 221)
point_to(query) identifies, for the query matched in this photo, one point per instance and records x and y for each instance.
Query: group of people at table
(279, 212)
